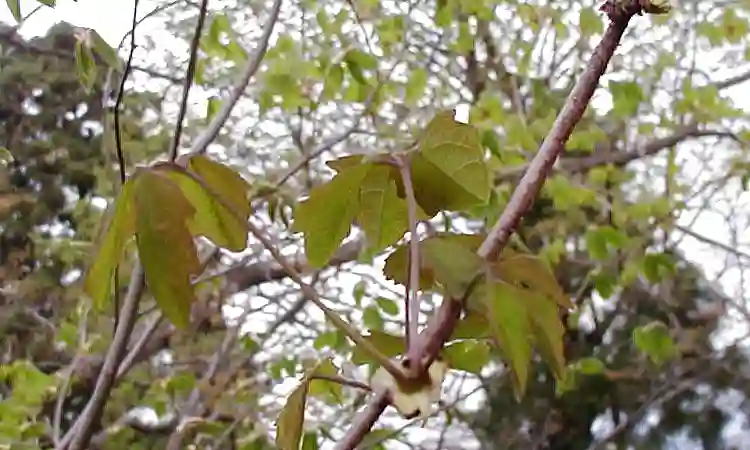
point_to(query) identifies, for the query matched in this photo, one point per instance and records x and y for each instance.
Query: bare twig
(446, 318)
(79, 435)
(189, 76)
(253, 64)
(412, 290)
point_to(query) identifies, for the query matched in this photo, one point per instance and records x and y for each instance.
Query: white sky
(111, 19)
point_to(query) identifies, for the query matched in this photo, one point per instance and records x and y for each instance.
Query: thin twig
(252, 66)
(412, 290)
(189, 76)
(396, 371)
(118, 142)
(79, 435)
(343, 381)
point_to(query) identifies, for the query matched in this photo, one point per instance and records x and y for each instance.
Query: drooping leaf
(548, 330)
(507, 315)
(85, 65)
(105, 52)
(326, 216)
(224, 182)
(382, 214)
(165, 244)
(530, 272)
(213, 217)
(447, 259)
(15, 9)
(449, 172)
(117, 228)
(289, 425)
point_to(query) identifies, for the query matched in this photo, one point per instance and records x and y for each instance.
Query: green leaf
(473, 325)
(626, 98)
(655, 341)
(212, 107)
(85, 65)
(117, 228)
(372, 319)
(657, 266)
(290, 423)
(548, 330)
(589, 22)
(165, 244)
(415, 86)
(291, 419)
(15, 9)
(387, 344)
(218, 196)
(601, 239)
(590, 366)
(448, 260)
(531, 273)
(387, 305)
(508, 321)
(469, 356)
(449, 172)
(105, 52)
(329, 390)
(326, 216)
(382, 214)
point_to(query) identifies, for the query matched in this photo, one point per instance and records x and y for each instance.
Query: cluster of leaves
(511, 303)
(165, 206)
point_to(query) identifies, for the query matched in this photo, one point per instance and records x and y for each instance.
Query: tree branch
(446, 318)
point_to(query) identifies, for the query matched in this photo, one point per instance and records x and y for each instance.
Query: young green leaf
(382, 214)
(117, 228)
(449, 171)
(326, 216)
(165, 244)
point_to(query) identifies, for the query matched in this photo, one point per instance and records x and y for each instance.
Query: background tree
(358, 77)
